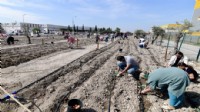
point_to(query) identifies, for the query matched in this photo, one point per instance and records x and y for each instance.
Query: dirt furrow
(95, 92)
(72, 78)
(153, 103)
(148, 63)
(125, 97)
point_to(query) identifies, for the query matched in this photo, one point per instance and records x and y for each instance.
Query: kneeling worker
(174, 80)
(127, 64)
(143, 44)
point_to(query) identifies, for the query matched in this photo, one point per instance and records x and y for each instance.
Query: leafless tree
(181, 28)
(26, 29)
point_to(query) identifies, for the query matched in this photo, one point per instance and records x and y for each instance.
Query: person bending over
(127, 64)
(176, 81)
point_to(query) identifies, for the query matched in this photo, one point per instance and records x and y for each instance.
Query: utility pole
(23, 17)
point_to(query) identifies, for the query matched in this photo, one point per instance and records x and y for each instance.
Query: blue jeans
(175, 101)
(141, 46)
(131, 70)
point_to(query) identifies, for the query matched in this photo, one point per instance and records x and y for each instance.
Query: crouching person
(127, 64)
(176, 81)
(71, 41)
(192, 74)
(143, 44)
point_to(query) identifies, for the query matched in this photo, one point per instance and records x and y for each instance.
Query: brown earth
(91, 78)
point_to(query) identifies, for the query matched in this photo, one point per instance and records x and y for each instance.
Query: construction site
(44, 77)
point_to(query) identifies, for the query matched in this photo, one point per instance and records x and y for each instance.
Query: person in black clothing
(88, 35)
(192, 74)
(97, 41)
(10, 40)
(97, 38)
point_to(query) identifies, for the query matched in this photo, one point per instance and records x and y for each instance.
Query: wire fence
(192, 39)
(189, 45)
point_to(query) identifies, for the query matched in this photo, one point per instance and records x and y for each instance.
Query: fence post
(167, 47)
(182, 42)
(198, 56)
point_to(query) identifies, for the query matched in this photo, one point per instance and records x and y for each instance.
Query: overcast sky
(129, 15)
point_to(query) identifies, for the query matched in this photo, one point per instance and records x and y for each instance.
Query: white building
(18, 28)
(49, 28)
(12, 27)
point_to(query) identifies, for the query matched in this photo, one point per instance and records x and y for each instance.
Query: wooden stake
(167, 47)
(97, 45)
(182, 42)
(77, 42)
(11, 96)
(198, 56)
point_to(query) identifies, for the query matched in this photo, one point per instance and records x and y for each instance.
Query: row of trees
(95, 29)
(159, 32)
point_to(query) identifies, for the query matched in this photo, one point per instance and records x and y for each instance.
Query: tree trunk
(161, 40)
(38, 34)
(154, 39)
(29, 39)
(176, 41)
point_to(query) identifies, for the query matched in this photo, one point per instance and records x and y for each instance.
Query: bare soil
(90, 75)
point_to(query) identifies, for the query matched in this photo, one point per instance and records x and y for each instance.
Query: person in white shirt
(141, 40)
(177, 58)
(143, 43)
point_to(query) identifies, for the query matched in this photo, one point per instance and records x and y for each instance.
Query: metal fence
(192, 39)
(189, 45)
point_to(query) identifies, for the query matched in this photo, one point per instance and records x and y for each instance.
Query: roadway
(188, 50)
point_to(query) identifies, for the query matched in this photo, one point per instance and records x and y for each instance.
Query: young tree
(185, 26)
(26, 32)
(77, 29)
(69, 28)
(117, 30)
(36, 31)
(83, 28)
(90, 29)
(74, 28)
(109, 30)
(95, 28)
(157, 31)
(101, 30)
(139, 33)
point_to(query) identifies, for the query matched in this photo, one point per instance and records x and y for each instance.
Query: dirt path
(26, 73)
(70, 77)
